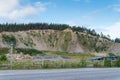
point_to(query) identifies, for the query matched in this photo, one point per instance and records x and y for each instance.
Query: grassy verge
(58, 64)
(46, 64)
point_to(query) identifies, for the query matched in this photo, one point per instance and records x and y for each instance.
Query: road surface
(62, 74)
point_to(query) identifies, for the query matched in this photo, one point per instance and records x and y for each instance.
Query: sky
(101, 15)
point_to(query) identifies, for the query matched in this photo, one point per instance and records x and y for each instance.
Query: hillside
(65, 40)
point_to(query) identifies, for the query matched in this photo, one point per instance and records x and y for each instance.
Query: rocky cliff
(58, 40)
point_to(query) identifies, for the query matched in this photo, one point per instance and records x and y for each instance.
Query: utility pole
(11, 54)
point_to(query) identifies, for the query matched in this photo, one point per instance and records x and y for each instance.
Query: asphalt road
(62, 74)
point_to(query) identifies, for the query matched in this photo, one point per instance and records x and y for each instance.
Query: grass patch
(31, 52)
(17, 65)
(72, 56)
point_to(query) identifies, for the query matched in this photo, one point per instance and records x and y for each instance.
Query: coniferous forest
(42, 26)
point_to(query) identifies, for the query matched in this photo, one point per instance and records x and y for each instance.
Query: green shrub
(8, 38)
(3, 57)
(117, 63)
(98, 64)
(111, 54)
(67, 39)
(83, 63)
(3, 51)
(107, 63)
(29, 51)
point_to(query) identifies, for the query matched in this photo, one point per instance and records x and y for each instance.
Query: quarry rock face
(60, 40)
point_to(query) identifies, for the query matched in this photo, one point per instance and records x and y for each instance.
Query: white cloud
(116, 7)
(14, 10)
(72, 23)
(89, 16)
(113, 30)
